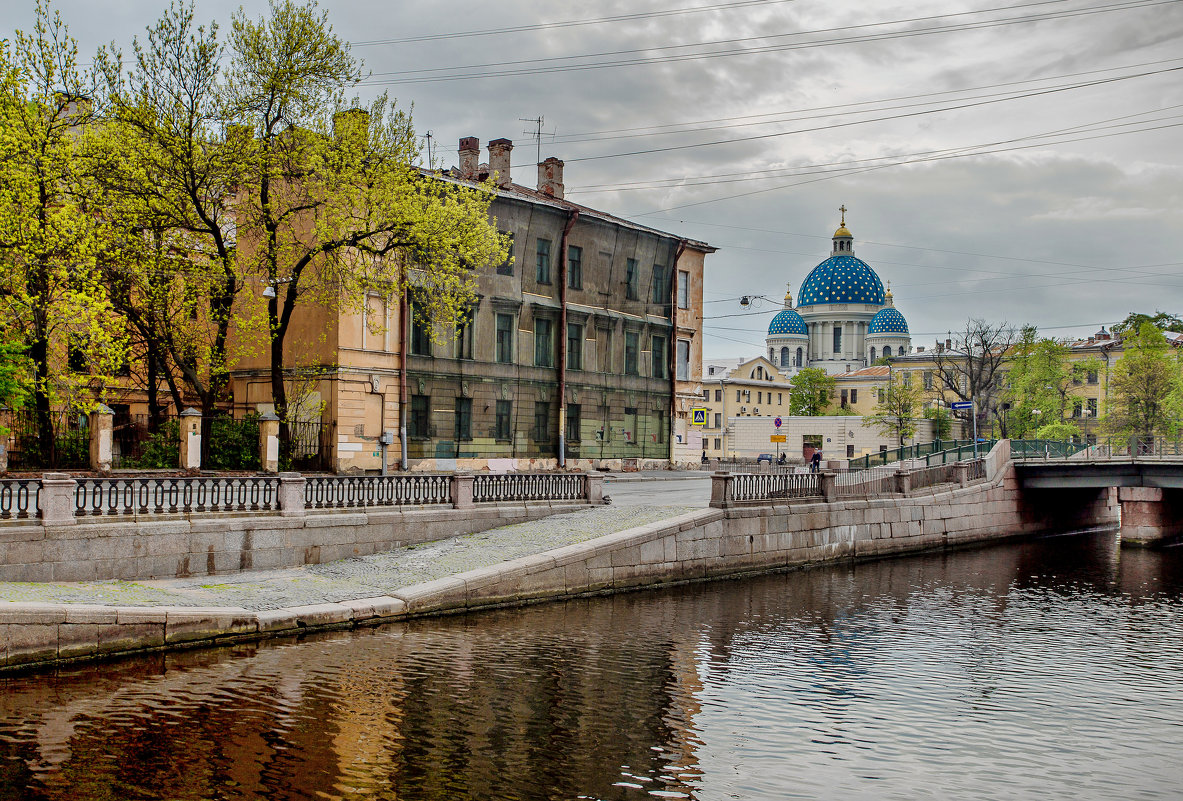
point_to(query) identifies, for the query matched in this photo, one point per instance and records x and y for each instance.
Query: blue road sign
(959, 405)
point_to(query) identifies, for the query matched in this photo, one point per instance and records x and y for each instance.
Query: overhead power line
(555, 64)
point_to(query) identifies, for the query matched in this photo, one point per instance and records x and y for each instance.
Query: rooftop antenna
(430, 156)
(537, 132)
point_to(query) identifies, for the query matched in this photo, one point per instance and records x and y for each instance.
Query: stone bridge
(1149, 490)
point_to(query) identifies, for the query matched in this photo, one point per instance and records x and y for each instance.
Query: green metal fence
(917, 451)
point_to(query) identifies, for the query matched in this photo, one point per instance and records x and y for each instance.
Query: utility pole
(430, 155)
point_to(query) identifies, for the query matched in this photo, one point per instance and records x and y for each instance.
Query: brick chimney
(499, 160)
(470, 151)
(550, 178)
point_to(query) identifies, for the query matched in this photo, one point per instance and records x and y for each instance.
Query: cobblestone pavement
(349, 579)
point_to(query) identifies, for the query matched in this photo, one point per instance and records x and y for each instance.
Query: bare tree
(972, 367)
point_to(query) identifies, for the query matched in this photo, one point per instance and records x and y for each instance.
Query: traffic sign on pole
(776, 422)
(961, 405)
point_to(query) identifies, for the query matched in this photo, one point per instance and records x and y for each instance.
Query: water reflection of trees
(552, 701)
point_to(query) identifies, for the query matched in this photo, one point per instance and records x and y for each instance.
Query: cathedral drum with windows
(844, 319)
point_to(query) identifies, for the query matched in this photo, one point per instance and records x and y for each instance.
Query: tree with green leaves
(895, 413)
(1040, 381)
(330, 209)
(1146, 387)
(1160, 320)
(810, 392)
(52, 229)
(164, 157)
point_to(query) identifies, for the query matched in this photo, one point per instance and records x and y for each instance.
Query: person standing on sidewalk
(815, 462)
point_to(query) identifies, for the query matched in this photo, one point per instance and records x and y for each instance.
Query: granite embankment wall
(699, 545)
(168, 546)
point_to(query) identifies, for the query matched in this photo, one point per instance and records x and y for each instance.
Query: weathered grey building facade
(571, 352)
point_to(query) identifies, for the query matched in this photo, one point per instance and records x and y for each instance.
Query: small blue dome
(887, 321)
(788, 322)
(841, 279)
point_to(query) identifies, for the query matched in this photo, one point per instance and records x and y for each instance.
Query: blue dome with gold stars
(841, 279)
(887, 321)
(788, 322)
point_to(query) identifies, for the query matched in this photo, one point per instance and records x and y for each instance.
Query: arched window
(784, 357)
(886, 351)
(800, 356)
(759, 373)
(872, 354)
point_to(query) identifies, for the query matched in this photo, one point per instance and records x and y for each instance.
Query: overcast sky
(1010, 160)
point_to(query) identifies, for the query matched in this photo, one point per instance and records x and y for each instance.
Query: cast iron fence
(359, 492)
(71, 443)
(493, 487)
(169, 495)
(20, 498)
(774, 486)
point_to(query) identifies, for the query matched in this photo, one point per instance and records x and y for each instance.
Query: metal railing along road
(775, 486)
(174, 495)
(493, 487)
(916, 451)
(353, 492)
(961, 453)
(20, 498)
(1104, 448)
(870, 481)
(931, 476)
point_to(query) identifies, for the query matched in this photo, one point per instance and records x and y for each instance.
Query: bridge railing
(917, 451)
(1104, 448)
(866, 482)
(963, 451)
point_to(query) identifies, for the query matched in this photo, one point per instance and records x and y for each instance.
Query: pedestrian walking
(816, 462)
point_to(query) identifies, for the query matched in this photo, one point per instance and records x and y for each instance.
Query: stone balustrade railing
(755, 489)
(58, 499)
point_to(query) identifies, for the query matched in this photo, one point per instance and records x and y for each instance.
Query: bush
(161, 449)
(234, 444)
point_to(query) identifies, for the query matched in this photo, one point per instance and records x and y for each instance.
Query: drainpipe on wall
(562, 334)
(403, 308)
(672, 349)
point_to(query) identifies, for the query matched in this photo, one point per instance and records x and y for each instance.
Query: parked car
(766, 457)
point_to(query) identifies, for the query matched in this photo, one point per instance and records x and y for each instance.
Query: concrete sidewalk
(348, 579)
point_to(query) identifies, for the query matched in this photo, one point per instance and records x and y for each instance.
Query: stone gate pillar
(1150, 516)
(100, 422)
(190, 450)
(269, 442)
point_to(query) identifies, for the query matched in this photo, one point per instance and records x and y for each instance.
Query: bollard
(189, 457)
(291, 495)
(461, 486)
(269, 442)
(961, 473)
(593, 487)
(903, 482)
(829, 486)
(722, 490)
(57, 499)
(100, 438)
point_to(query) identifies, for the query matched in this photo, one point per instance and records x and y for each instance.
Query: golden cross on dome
(842, 209)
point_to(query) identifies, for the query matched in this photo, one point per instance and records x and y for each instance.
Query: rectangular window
(718, 421)
(845, 398)
(630, 425)
(463, 343)
(574, 346)
(737, 396)
(630, 353)
(854, 396)
(506, 267)
(1077, 406)
(659, 356)
(420, 332)
(544, 351)
(630, 279)
(927, 380)
(779, 398)
(501, 422)
(463, 419)
(706, 395)
(683, 361)
(574, 424)
(541, 432)
(542, 264)
(505, 338)
(718, 444)
(660, 293)
(574, 267)
(1092, 407)
(1093, 377)
(718, 396)
(420, 423)
(683, 289)
(837, 340)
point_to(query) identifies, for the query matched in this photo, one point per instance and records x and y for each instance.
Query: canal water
(1050, 669)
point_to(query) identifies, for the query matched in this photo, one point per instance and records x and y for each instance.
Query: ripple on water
(1013, 672)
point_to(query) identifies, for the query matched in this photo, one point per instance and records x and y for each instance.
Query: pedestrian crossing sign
(698, 417)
